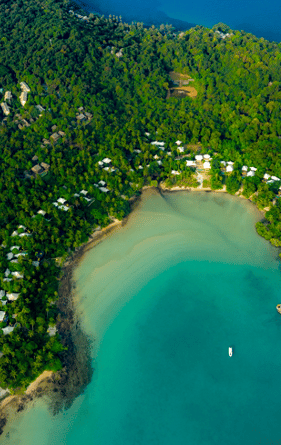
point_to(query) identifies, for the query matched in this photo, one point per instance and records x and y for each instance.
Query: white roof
(52, 330)
(251, 173)
(2, 315)
(61, 200)
(84, 192)
(244, 168)
(223, 163)
(156, 157)
(103, 189)
(275, 178)
(10, 255)
(190, 163)
(178, 142)
(7, 272)
(17, 274)
(12, 296)
(106, 160)
(41, 212)
(55, 204)
(77, 194)
(140, 167)
(15, 233)
(35, 263)
(206, 156)
(2, 293)
(24, 86)
(230, 162)
(181, 149)
(100, 163)
(8, 330)
(106, 168)
(266, 176)
(254, 169)
(229, 168)
(15, 247)
(207, 164)
(7, 279)
(147, 134)
(174, 172)
(102, 182)
(14, 261)
(159, 162)
(158, 143)
(198, 157)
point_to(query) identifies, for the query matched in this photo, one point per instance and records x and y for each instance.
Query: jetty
(278, 307)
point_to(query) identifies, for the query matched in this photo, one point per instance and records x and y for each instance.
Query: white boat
(230, 352)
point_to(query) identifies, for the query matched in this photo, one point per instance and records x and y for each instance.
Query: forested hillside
(87, 97)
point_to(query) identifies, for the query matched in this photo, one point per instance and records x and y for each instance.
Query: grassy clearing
(182, 89)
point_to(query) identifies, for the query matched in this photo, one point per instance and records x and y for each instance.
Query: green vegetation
(101, 87)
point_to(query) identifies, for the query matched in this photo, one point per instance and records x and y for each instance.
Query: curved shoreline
(63, 387)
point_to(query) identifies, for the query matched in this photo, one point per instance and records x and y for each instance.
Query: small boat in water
(230, 352)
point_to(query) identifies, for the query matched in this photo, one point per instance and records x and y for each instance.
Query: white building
(52, 330)
(199, 157)
(8, 95)
(17, 274)
(180, 149)
(178, 142)
(2, 315)
(5, 108)
(174, 172)
(266, 176)
(23, 98)
(106, 160)
(24, 87)
(61, 200)
(251, 173)
(207, 165)
(206, 156)
(190, 164)
(229, 168)
(244, 168)
(8, 330)
(275, 178)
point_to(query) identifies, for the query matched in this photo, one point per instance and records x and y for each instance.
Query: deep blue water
(254, 16)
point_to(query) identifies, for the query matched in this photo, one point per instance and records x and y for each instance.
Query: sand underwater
(162, 299)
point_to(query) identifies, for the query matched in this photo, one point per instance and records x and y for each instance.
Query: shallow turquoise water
(164, 297)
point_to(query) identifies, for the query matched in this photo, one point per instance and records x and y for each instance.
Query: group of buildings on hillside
(8, 97)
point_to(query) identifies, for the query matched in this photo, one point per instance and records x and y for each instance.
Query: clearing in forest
(182, 87)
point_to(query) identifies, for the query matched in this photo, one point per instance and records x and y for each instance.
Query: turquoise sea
(163, 298)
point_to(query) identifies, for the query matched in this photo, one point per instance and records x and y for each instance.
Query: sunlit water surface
(164, 297)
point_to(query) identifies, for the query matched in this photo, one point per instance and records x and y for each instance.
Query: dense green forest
(78, 147)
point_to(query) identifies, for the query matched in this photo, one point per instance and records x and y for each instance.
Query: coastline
(63, 387)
